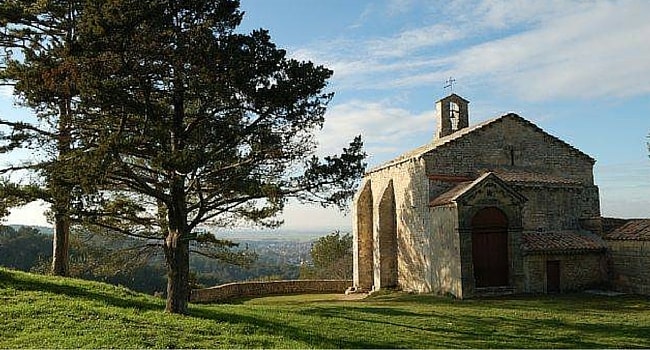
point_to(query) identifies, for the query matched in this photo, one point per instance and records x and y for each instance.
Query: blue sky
(578, 69)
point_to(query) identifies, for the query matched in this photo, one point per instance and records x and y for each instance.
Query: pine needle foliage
(195, 125)
(38, 39)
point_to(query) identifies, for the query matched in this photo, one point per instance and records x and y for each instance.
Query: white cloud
(315, 218)
(387, 131)
(397, 7)
(363, 17)
(30, 214)
(410, 41)
(539, 50)
(598, 52)
(498, 14)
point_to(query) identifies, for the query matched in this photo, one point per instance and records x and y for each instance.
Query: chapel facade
(496, 208)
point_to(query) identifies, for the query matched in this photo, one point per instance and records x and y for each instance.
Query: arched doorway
(490, 248)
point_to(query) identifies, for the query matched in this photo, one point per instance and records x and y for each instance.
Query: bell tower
(452, 114)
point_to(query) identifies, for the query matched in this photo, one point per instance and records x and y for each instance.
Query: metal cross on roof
(450, 84)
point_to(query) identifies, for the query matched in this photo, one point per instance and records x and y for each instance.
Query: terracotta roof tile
(517, 176)
(561, 242)
(450, 195)
(634, 229)
(457, 191)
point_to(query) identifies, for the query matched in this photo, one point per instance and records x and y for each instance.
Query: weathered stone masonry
(500, 206)
(629, 255)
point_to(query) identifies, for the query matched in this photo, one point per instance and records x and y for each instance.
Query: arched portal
(363, 271)
(386, 259)
(490, 248)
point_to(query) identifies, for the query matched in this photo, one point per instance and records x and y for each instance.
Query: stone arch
(364, 242)
(386, 245)
(490, 256)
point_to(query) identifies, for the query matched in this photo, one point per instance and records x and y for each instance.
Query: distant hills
(277, 235)
(238, 235)
(43, 229)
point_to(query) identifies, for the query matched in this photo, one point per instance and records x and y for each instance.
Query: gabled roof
(452, 194)
(632, 230)
(463, 188)
(441, 142)
(454, 96)
(561, 242)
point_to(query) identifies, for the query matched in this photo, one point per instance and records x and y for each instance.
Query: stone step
(494, 291)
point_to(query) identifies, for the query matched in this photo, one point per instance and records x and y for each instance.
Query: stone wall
(514, 145)
(629, 264)
(251, 289)
(577, 271)
(555, 208)
(511, 143)
(446, 274)
(409, 185)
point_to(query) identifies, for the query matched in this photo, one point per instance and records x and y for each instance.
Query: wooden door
(553, 276)
(490, 248)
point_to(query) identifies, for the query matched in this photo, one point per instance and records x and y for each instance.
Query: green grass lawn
(47, 312)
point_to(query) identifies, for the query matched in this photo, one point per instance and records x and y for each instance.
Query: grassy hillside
(46, 312)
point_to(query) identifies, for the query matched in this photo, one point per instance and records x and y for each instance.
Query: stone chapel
(496, 208)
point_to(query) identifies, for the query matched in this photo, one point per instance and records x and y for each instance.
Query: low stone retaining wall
(250, 289)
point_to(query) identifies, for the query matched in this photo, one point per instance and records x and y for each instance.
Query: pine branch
(121, 230)
(26, 126)
(9, 169)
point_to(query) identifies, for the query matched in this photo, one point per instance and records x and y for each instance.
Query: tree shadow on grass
(437, 330)
(383, 312)
(281, 299)
(65, 287)
(287, 331)
(575, 303)
(433, 321)
(475, 330)
(630, 336)
(569, 302)
(317, 336)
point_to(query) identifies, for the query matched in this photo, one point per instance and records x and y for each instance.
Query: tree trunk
(59, 185)
(177, 255)
(177, 251)
(61, 246)
(177, 242)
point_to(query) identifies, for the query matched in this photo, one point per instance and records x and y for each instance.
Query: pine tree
(38, 39)
(196, 126)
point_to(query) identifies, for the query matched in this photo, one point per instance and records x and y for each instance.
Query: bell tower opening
(452, 114)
